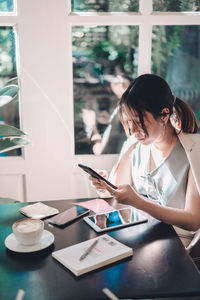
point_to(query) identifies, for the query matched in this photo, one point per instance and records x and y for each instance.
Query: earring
(163, 124)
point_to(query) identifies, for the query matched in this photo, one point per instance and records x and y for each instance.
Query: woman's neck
(166, 142)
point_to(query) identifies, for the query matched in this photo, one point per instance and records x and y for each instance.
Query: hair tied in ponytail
(174, 100)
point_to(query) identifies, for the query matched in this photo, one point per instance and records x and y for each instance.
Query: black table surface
(159, 268)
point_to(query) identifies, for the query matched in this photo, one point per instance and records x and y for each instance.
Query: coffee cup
(28, 231)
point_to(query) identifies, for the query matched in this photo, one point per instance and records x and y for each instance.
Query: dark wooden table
(159, 268)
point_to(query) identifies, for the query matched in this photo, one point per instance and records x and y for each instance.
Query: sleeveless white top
(167, 183)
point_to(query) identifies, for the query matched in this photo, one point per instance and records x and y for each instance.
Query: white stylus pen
(88, 250)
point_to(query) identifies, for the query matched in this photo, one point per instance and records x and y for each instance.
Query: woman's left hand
(124, 194)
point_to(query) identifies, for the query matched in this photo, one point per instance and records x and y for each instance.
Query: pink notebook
(96, 205)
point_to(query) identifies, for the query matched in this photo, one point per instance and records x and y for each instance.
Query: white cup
(28, 231)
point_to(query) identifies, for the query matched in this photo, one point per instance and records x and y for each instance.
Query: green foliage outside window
(9, 111)
(133, 5)
(165, 40)
(6, 5)
(176, 57)
(176, 5)
(7, 54)
(105, 5)
(106, 48)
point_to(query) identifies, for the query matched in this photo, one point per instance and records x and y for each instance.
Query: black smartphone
(96, 175)
(68, 216)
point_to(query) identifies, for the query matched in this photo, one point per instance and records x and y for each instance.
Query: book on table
(104, 251)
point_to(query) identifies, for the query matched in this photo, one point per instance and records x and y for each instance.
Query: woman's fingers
(103, 173)
(96, 183)
(108, 188)
(122, 192)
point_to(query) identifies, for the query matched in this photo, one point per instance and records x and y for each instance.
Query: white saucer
(46, 240)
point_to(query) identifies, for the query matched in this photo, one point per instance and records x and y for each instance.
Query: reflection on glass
(105, 5)
(6, 5)
(124, 216)
(9, 113)
(176, 57)
(176, 5)
(104, 62)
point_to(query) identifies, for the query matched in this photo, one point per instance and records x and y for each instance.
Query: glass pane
(176, 57)
(104, 62)
(176, 5)
(105, 5)
(9, 112)
(6, 5)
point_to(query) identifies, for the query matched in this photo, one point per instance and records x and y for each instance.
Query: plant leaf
(7, 130)
(9, 90)
(4, 100)
(7, 144)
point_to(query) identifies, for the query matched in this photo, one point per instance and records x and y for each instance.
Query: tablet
(115, 219)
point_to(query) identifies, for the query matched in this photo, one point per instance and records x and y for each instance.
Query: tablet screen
(115, 219)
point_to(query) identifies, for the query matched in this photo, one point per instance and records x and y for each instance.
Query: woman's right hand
(96, 182)
(100, 189)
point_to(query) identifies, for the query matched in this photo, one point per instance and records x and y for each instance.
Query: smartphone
(68, 216)
(96, 175)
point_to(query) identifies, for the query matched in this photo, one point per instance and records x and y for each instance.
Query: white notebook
(106, 251)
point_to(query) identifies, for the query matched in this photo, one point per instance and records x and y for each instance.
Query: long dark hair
(151, 93)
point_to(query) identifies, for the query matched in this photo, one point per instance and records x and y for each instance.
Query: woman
(158, 169)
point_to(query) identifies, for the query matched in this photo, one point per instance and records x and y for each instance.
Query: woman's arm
(187, 218)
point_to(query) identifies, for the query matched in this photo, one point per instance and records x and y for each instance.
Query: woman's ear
(164, 115)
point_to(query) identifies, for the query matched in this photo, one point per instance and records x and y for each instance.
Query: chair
(194, 249)
(193, 242)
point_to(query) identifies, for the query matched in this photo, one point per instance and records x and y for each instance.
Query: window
(180, 5)
(105, 6)
(9, 112)
(115, 41)
(6, 6)
(176, 57)
(104, 58)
